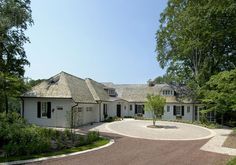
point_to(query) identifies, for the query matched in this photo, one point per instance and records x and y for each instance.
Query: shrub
(25, 141)
(92, 137)
(111, 119)
(19, 138)
(128, 117)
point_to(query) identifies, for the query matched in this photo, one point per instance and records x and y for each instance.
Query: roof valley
(91, 89)
(66, 83)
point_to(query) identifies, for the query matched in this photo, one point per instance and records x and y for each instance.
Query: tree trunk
(222, 119)
(154, 119)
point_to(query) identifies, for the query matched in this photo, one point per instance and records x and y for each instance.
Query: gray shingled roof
(97, 89)
(139, 92)
(63, 85)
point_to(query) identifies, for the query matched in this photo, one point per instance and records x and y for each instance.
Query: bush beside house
(19, 138)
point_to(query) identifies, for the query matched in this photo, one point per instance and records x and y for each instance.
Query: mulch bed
(230, 142)
(162, 126)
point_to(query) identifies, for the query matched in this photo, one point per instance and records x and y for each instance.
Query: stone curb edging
(212, 133)
(216, 143)
(58, 156)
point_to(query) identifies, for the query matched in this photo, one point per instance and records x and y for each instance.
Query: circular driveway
(171, 130)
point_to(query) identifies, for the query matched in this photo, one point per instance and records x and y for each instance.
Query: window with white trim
(44, 109)
(89, 108)
(167, 92)
(188, 109)
(178, 111)
(168, 108)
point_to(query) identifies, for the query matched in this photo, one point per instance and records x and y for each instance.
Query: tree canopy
(15, 18)
(196, 39)
(219, 93)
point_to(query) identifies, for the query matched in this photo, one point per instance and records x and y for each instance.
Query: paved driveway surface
(170, 130)
(133, 151)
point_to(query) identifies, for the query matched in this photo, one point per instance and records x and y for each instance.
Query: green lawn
(232, 161)
(98, 143)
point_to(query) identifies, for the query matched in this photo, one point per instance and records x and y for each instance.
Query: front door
(118, 110)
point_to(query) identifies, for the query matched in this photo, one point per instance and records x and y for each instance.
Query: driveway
(169, 130)
(139, 151)
(133, 151)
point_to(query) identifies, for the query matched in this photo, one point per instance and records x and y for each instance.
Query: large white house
(51, 102)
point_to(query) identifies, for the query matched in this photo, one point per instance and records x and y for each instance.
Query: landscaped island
(20, 140)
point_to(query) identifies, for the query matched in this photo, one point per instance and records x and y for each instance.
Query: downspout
(72, 117)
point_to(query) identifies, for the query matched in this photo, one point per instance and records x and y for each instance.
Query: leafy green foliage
(196, 39)
(232, 161)
(219, 93)
(15, 19)
(19, 138)
(155, 104)
(92, 136)
(32, 82)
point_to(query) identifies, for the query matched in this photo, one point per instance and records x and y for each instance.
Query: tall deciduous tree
(196, 39)
(15, 17)
(155, 104)
(219, 93)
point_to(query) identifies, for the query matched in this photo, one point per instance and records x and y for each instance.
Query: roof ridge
(91, 89)
(70, 75)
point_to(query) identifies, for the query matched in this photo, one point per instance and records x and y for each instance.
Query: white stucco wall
(188, 116)
(58, 117)
(169, 115)
(87, 116)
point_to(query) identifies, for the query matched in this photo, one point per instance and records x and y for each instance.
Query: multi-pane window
(44, 109)
(188, 109)
(140, 109)
(168, 108)
(89, 108)
(130, 107)
(178, 110)
(167, 92)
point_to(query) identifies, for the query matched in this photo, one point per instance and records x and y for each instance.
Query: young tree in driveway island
(155, 104)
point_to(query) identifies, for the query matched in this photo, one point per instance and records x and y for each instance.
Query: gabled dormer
(167, 91)
(110, 91)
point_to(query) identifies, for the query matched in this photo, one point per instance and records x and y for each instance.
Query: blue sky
(106, 40)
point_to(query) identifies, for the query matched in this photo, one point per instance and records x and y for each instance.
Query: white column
(198, 113)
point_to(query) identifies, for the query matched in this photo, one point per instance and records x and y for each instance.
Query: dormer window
(167, 93)
(110, 91)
